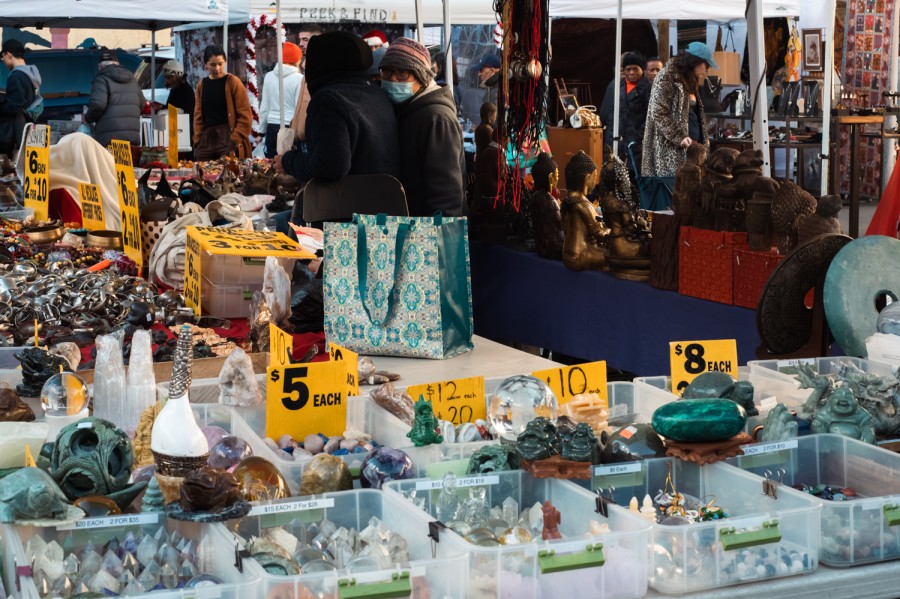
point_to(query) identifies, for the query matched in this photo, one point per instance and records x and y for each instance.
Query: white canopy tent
(103, 14)
(462, 12)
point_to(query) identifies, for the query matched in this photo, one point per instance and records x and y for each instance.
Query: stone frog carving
(582, 230)
(715, 385)
(424, 428)
(31, 494)
(688, 181)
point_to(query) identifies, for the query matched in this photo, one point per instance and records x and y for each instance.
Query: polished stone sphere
(229, 452)
(384, 464)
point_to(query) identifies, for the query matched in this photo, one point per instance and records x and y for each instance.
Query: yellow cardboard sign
(172, 122)
(691, 358)
(457, 401)
(281, 346)
(255, 244)
(91, 207)
(306, 398)
(128, 202)
(339, 353)
(37, 170)
(192, 277)
(569, 381)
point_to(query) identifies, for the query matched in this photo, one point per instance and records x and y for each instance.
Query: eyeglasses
(396, 74)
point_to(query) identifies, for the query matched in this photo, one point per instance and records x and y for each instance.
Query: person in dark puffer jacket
(350, 124)
(431, 150)
(21, 90)
(115, 105)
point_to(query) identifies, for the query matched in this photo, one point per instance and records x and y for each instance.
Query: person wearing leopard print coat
(675, 117)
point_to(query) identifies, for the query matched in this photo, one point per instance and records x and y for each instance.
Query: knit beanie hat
(411, 56)
(634, 58)
(291, 53)
(336, 51)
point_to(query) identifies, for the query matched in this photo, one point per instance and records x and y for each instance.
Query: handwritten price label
(91, 207)
(172, 125)
(281, 346)
(338, 353)
(692, 358)
(37, 170)
(458, 401)
(128, 203)
(570, 381)
(192, 264)
(256, 244)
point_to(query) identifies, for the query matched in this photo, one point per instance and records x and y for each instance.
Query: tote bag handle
(362, 263)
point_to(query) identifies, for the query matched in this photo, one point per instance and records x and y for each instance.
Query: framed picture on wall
(812, 50)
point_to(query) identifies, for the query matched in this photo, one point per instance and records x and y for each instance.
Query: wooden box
(565, 143)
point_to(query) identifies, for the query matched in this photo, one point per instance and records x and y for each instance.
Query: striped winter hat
(409, 55)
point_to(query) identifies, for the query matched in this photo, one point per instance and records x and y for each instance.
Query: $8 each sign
(689, 359)
(457, 401)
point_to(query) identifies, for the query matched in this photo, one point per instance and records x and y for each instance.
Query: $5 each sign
(458, 401)
(689, 359)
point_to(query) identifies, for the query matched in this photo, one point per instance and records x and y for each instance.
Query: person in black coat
(350, 124)
(181, 94)
(116, 101)
(431, 148)
(21, 90)
(634, 97)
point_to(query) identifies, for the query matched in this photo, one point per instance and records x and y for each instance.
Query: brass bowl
(46, 234)
(108, 240)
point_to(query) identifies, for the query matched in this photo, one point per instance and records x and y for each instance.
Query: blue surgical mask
(398, 91)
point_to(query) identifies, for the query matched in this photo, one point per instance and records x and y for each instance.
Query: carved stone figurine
(720, 385)
(582, 445)
(779, 425)
(689, 181)
(548, 231)
(209, 490)
(582, 229)
(790, 202)
(538, 441)
(424, 428)
(12, 408)
(628, 241)
(745, 203)
(823, 221)
(843, 415)
(552, 518)
(30, 494)
(716, 173)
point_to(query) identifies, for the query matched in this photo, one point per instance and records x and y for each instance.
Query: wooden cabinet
(565, 143)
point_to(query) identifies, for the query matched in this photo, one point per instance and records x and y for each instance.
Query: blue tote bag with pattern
(399, 286)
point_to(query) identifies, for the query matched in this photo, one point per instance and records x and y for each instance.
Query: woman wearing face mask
(431, 149)
(675, 117)
(222, 116)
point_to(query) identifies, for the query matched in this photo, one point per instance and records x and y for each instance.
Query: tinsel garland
(253, 26)
(523, 105)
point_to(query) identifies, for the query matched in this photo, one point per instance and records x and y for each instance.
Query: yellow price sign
(128, 202)
(339, 353)
(172, 122)
(281, 346)
(692, 358)
(457, 401)
(307, 398)
(569, 381)
(91, 207)
(192, 262)
(37, 170)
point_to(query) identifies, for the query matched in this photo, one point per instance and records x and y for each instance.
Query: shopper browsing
(21, 97)
(634, 96)
(181, 94)
(222, 116)
(116, 101)
(654, 66)
(270, 119)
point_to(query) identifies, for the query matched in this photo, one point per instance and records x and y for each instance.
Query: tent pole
(889, 146)
(420, 28)
(279, 39)
(448, 48)
(617, 82)
(829, 157)
(153, 65)
(225, 41)
(756, 48)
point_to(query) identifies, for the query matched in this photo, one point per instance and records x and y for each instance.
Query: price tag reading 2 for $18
(692, 358)
(304, 398)
(458, 401)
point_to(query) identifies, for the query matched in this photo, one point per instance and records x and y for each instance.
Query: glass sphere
(384, 464)
(64, 394)
(518, 400)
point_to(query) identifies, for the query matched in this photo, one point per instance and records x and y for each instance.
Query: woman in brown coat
(222, 116)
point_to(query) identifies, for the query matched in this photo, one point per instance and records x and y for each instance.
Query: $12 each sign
(689, 359)
(458, 401)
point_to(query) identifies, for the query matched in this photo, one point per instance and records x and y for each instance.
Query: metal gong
(860, 274)
(782, 317)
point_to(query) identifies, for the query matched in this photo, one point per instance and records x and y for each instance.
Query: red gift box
(751, 271)
(706, 263)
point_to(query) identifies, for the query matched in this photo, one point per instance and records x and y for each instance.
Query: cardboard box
(751, 271)
(706, 263)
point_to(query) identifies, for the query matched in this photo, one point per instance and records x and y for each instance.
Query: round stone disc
(859, 274)
(782, 318)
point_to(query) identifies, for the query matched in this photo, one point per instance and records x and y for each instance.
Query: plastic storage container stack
(763, 537)
(611, 565)
(859, 530)
(422, 577)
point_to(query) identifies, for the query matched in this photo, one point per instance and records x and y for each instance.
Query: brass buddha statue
(582, 228)
(545, 211)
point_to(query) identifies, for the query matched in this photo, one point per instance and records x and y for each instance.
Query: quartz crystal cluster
(136, 564)
(299, 548)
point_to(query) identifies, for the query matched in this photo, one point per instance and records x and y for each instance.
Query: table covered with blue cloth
(522, 297)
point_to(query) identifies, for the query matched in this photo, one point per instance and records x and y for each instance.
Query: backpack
(36, 108)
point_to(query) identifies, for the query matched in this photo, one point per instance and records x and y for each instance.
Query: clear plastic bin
(424, 576)
(615, 569)
(766, 537)
(214, 546)
(777, 377)
(227, 300)
(238, 270)
(14, 558)
(861, 531)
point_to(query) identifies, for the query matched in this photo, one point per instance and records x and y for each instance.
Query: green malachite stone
(699, 420)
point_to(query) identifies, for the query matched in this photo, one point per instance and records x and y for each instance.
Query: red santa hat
(375, 38)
